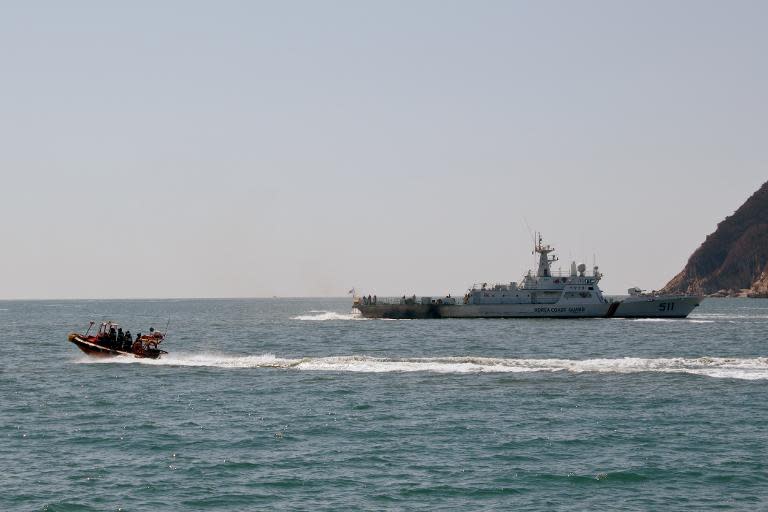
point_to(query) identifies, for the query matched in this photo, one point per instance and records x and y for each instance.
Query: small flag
(352, 291)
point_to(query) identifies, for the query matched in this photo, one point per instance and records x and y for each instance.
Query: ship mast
(544, 260)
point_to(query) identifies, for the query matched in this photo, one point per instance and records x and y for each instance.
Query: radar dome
(582, 267)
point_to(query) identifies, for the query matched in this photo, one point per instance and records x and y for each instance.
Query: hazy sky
(226, 149)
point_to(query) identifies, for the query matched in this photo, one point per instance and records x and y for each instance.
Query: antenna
(530, 232)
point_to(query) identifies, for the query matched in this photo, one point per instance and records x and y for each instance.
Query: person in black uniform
(112, 338)
(127, 342)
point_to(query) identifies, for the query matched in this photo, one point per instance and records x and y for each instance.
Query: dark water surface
(296, 404)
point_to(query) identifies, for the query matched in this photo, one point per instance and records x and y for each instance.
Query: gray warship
(545, 294)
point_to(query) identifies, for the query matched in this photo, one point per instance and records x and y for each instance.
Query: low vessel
(110, 341)
(545, 294)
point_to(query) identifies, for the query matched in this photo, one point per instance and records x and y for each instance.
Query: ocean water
(298, 404)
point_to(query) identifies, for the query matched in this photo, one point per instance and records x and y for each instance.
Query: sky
(259, 149)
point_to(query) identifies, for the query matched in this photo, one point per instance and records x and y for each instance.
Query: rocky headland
(732, 261)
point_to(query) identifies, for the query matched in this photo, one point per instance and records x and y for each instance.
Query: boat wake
(673, 320)
(723, 316)
(718, 367)
(324, 316)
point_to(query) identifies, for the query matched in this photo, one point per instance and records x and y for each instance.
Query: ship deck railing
(391, 300)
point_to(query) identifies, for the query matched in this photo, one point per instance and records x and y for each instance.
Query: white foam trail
(723, 316)
(719, 367)
(685, 320)
(204, 360)
(324, 316)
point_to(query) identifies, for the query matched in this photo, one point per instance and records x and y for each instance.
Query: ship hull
(400, 311)
(524, 311)
(427, 311)
(642, 307)
(661, 306)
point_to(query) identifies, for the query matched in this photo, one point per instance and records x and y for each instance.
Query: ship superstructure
(545, 287)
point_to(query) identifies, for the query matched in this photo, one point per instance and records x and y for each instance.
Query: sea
(299, 404)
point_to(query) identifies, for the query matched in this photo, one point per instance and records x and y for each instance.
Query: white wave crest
(324, 316)
(734, 368)
(727, 316)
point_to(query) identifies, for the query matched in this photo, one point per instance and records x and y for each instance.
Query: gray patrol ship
(546, 294)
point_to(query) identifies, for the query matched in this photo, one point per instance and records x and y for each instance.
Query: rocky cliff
(733, 259)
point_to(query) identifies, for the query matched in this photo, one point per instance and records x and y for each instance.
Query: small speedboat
(110, 341)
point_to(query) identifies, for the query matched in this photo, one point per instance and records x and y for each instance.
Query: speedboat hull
(90, 346)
